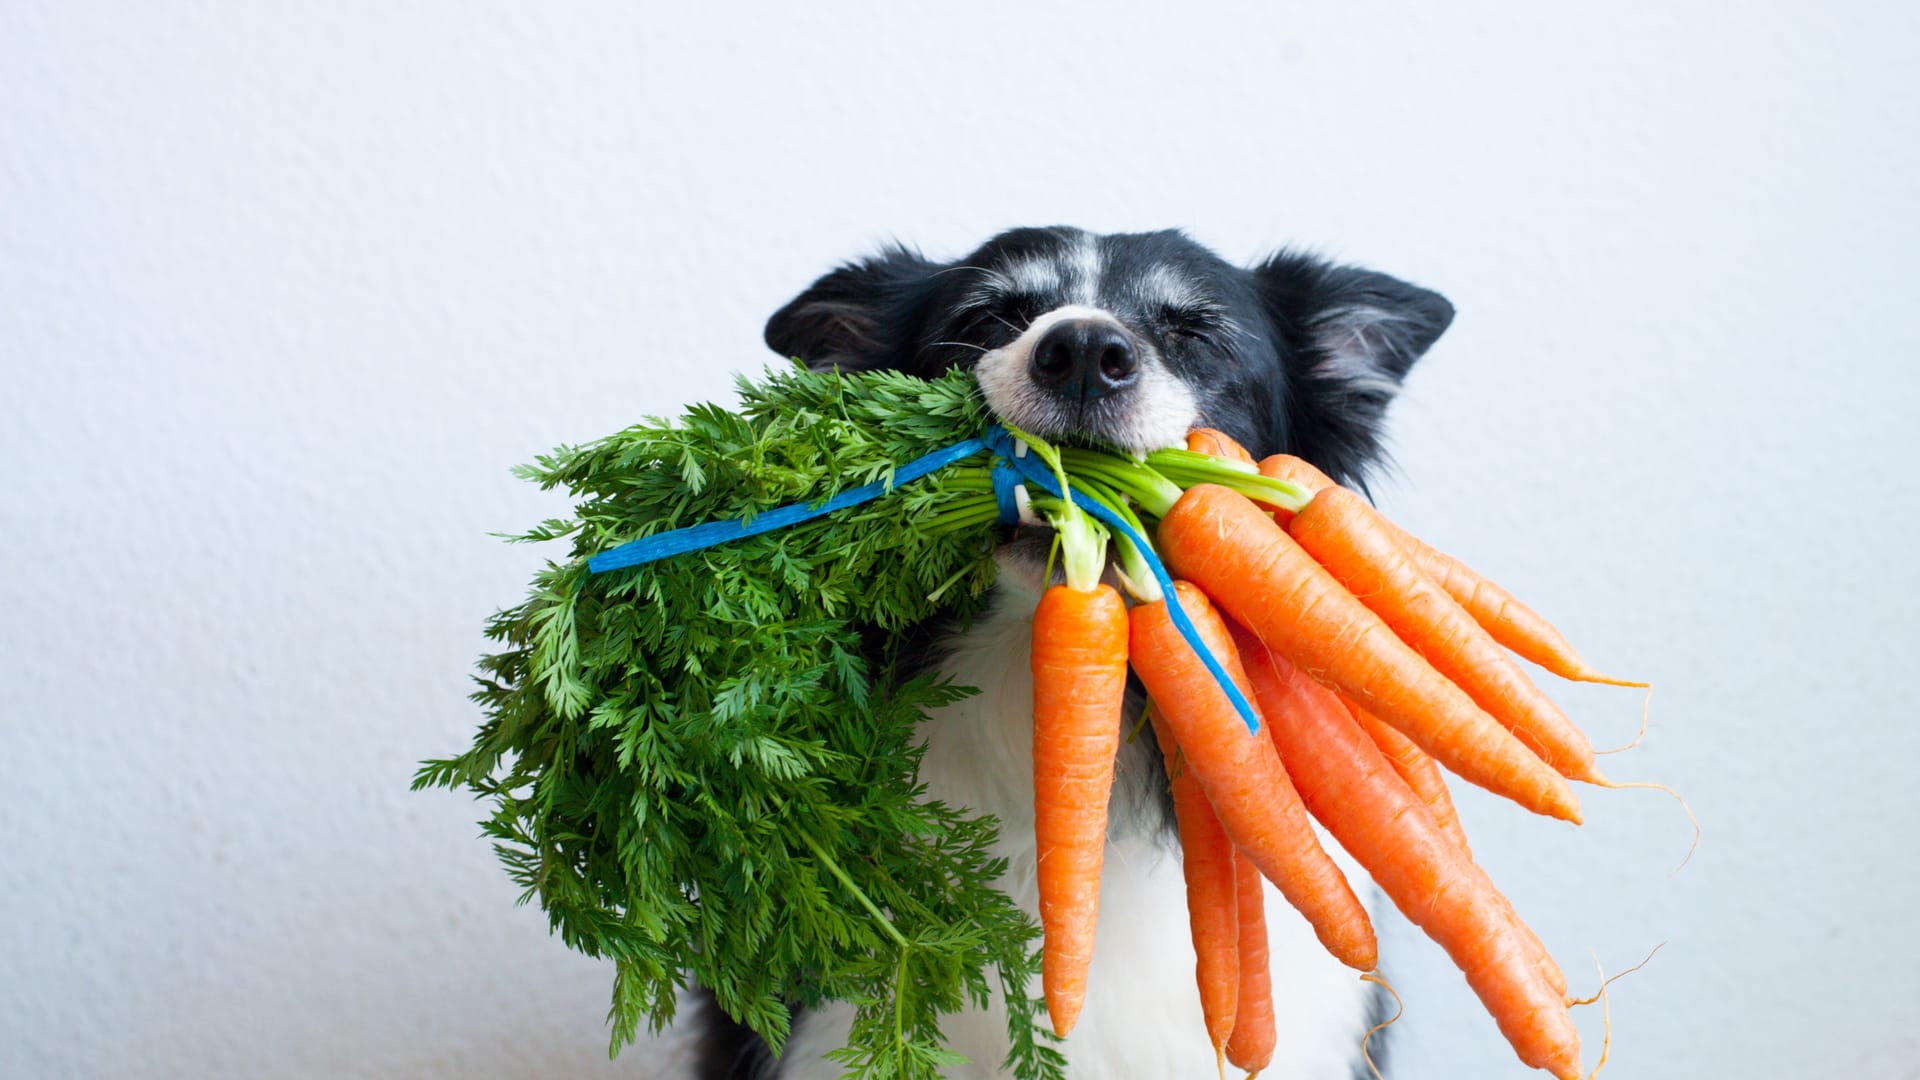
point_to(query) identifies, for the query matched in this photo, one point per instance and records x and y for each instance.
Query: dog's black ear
(1352, 335)
(856, 317)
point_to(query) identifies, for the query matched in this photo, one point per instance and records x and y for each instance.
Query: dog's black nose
(1084, 359)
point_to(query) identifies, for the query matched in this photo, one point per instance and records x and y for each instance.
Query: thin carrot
(1512, 623)
(1232, 549)
(1251, 1047)
(1417, 768)
(1241, 774)
(1543, 961)
(1350, 539)
(1422, 776)
(1079, 678)
(1208, 862)
(1213, 441)
(1350, 788)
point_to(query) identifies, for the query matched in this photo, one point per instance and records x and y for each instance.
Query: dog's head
(1132, 339)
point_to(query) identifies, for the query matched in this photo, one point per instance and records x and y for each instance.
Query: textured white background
(283, 295)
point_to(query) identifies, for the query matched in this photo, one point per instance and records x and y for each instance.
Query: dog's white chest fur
(1142, 1013)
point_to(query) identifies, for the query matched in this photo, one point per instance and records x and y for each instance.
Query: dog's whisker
(1017, 330)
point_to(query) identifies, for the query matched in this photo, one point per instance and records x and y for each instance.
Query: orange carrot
(1208, 440)
(1420, 772)
(1511, 622)
(1349, 538)
(1422, 776)
(1543, 961)
(1350, 788)
(1295, 470)
(1079, 678)
(1208, 862)
(1251, 1047)
(1415, 766)
(1241, 774)
(1232, 549)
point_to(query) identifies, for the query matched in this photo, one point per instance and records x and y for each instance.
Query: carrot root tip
(1646, 710)
(1677, 797)
(1603, 680)
(1606, 681)
(1606, 1015)
(1606, 980)
(1399, 1007)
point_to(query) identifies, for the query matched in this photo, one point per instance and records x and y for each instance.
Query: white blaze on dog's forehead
(1162, 286)
(1033, 277)
(1086, 269)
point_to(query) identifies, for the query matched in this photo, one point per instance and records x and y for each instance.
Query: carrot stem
(833, 868)
(962, 513)
(1258, 489)
(1083, 541)
(1188, 467)
(1133, 570)
(1155, 493)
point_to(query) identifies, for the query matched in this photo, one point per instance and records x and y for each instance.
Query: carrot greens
(705, 768)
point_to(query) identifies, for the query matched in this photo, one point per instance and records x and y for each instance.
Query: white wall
(284, 294)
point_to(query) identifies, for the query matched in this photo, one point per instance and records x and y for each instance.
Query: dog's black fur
(1323, 347)
(1294, 355)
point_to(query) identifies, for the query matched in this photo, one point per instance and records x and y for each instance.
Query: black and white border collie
(1130, 339)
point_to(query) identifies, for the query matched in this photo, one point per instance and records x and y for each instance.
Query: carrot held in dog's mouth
(1079, 662)
(1211, 867)
(1350, 788)
(1242, 776)
(1221, 541)
(1512, 623)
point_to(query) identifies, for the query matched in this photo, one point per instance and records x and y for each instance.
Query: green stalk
(1155, 493)
(967, 481)
(1186, 468)
(965, 512)
(1177, 456)
(1133, 570)
(873, 909)
(1083, 541)
(952, 580)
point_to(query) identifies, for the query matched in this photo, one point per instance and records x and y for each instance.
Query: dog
(1129, 340)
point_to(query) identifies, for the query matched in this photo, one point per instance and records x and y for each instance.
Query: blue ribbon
(1005, 482)
(1035, 471)
(1010, 469)
(708, 533)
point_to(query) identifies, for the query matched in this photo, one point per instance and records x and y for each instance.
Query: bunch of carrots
(1373, 661)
